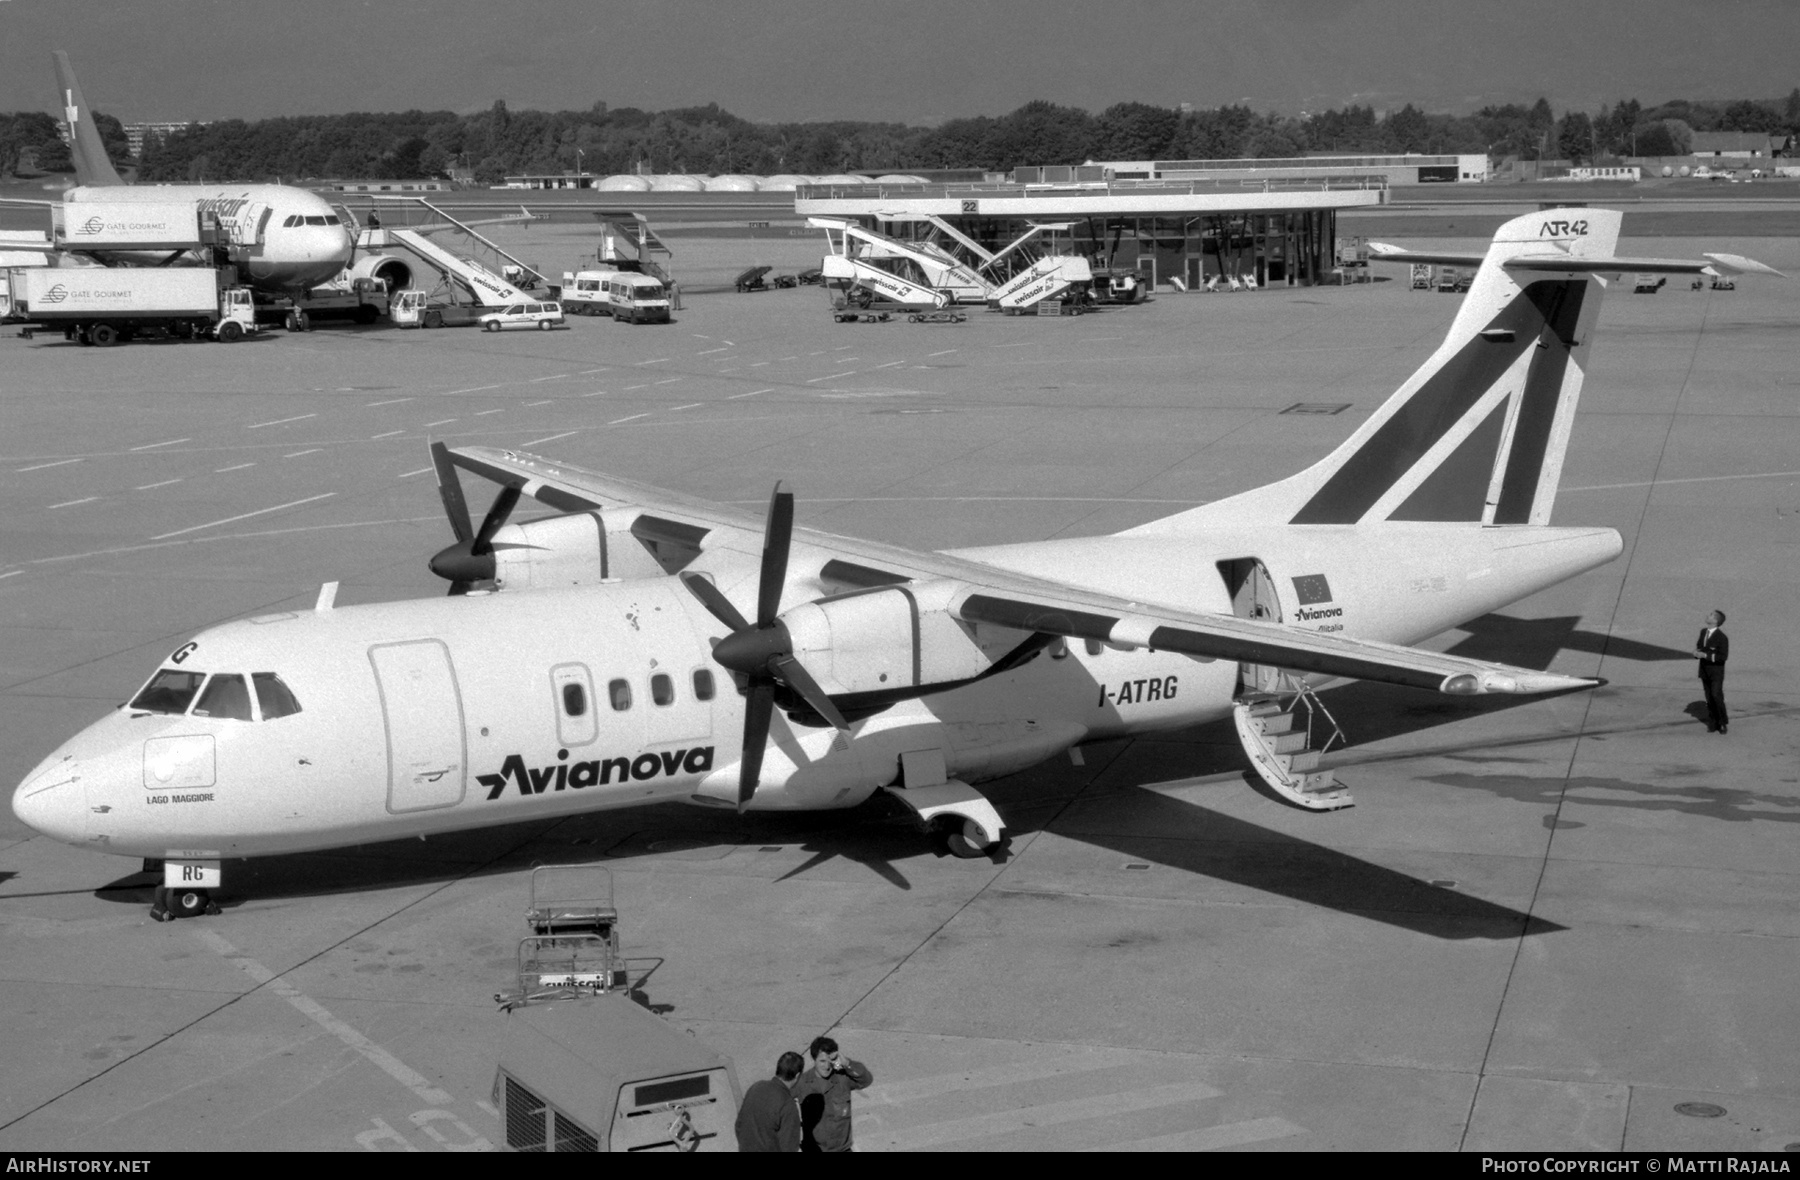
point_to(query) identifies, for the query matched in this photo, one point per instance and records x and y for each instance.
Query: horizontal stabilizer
(1561, 263)
(1737, 264)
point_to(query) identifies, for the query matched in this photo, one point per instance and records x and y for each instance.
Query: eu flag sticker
(1312, 588)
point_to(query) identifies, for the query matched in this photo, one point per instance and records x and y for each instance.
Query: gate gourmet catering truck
(106, 305)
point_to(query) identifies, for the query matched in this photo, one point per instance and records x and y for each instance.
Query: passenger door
(422, 709)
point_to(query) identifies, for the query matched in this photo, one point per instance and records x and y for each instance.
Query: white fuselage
(433, 715)
(291, 238)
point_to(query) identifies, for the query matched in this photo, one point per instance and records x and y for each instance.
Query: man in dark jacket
(824, 1094)
(1713, 649)
(769, 1119)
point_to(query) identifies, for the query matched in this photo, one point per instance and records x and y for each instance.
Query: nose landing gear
(186, 890)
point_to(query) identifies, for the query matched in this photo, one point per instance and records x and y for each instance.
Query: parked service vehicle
(361, 300)
(113, 305)
(545, 315)
(636, 298)
(413, 308)
(583, 292)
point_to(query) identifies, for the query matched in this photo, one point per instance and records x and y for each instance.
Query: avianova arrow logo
(566, 775)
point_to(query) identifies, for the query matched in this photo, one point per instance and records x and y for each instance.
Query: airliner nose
(51, 800)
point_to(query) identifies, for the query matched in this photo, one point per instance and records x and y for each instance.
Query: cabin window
(703, 684)
(226, 698)
(169, 691)
(662, 689)
(276, 699)
(620, 692)
(1095, 647)
(574, 700)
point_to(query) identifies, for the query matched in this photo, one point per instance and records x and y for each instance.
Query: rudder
(92, 165)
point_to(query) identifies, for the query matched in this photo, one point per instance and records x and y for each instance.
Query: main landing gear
(960, 819)
(187, 889)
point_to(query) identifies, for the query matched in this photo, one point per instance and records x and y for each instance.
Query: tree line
(707, 140)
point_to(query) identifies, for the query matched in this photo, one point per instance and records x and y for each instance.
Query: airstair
(981, 277)
(484, 284)
(861, 281)
(1277, 736)
(1046, 278)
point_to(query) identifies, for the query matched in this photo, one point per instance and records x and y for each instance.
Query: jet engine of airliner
(393, 272)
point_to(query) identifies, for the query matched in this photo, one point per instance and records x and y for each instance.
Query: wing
(730, 542)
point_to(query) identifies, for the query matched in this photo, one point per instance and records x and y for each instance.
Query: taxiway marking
(153, 446)
(386, 434)
(242, 516)
(42, 466)
(282, 421)
(410, 474)
(707, 351)
(72, 503)
(472, 389)
(890, 364)
(833, 377)
(752, 393)
(547, 401)
(552, 377)
(1048, 1114)
(633, 418)
(309, 451)
(946, 352)
(654, 361)
(147, 486)
(1210, 1138)
(667, 381)
(485, 413)
(552, 438)
(238, 467)
(439, 422)
(383, 1060)
(392, 401)
(672, 409)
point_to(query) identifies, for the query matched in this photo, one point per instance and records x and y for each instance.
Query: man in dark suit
(769, 1119)
(1713, 649)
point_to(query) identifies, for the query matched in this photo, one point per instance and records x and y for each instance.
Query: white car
(523, 315)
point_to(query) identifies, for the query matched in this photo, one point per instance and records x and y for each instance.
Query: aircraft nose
(52, 801)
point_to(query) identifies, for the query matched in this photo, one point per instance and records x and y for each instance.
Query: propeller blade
(496, 517)
(450, 491)
(793, 674)
(778, 532)
(759, 708)
(714, 600)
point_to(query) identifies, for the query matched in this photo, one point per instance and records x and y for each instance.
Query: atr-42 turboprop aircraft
(644, 646)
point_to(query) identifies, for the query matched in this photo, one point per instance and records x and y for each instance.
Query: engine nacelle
(392, 271)
(579, 549)
(892, 637)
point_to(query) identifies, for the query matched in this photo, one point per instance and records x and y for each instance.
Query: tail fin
(91, 163)
(1478, 434)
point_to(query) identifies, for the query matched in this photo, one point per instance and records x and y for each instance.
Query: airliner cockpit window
(275, 697)
(171, 690)
(292, 220)
(316, 220)
(227, 698)
(332, 219)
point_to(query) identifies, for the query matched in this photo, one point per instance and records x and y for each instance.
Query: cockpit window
(169, 691)
(332, 219)
(226, 698)
(291, 220)
(276, 699)
(315, 220)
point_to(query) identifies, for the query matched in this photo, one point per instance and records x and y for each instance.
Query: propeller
(763, 652)
(471, 559)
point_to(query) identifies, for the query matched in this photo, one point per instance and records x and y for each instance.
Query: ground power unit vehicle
(413, 308)
(104, 306)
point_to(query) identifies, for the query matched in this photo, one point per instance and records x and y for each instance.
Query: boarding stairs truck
(1047, 278)
(104, 306)
(1010, 279)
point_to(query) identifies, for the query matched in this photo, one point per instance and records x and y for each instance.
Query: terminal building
(1184, 234)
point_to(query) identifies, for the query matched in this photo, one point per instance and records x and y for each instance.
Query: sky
(908, 61)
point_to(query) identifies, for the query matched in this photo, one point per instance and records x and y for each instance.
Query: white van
(584, 293)
(636, 298)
